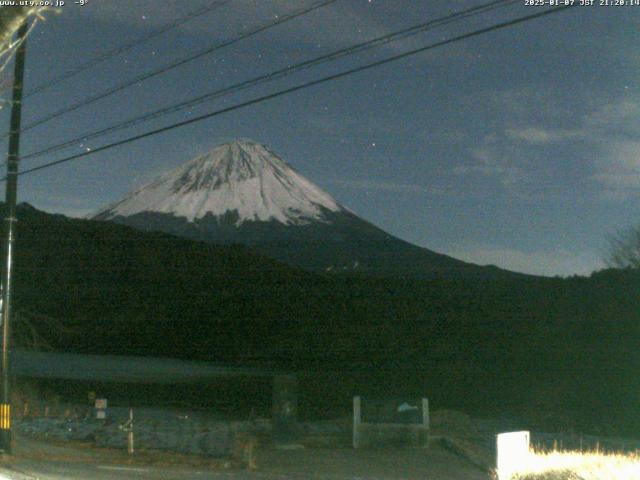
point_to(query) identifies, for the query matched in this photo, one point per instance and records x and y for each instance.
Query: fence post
(130, 433)
(357, 420)
(285, 411)
(425, 413)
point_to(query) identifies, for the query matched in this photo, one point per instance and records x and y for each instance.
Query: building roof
(113, 368)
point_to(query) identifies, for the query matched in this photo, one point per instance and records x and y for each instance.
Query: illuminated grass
(579, 466)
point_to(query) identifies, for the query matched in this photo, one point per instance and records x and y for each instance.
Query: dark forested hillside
(534, 346)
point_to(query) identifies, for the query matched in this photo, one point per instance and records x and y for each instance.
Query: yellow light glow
(583, 465)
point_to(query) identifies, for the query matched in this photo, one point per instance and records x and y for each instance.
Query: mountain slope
(242, 177)
(241, 192)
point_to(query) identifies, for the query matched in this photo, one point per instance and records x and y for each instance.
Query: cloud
(618, 168)
(615, 142)
(542, 136)
(547, 263)
(604, 137)
(615, 118)
(495, 159)
(611, 142)
(520, 105)
(518, 122)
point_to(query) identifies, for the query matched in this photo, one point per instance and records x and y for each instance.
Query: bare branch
(624, 249)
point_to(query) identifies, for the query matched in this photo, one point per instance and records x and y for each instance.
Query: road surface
(47, 461)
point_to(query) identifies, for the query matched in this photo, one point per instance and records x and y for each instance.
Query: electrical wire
(146, 76)
(302, 86)
(278, 74)
(125, 48)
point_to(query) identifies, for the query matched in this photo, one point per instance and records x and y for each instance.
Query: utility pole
(11, 194)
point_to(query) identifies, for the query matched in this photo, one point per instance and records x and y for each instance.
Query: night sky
(519, 148)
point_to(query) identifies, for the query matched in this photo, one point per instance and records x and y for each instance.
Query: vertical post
(10, 219)
(426, 423)
(130, 433)
(357, 419)
(425, 413)
(285, 411)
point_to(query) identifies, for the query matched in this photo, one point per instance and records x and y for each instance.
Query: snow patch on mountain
(240, 176)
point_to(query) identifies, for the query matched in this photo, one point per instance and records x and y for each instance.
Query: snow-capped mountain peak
(242, 177)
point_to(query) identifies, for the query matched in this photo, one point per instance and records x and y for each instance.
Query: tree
(624, 249)
(11, 18)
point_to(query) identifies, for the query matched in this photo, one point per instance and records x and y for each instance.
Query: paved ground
(47, 461)
(54, 470)
(388, 464)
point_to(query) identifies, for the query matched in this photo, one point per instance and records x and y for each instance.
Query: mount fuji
(241, 192)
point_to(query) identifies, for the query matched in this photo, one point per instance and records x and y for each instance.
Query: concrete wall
(370, 434)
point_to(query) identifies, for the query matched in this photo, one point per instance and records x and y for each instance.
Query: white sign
(101, 403)
(512, 451)
(101, 414)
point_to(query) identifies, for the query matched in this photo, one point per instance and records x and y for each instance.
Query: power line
(402, 34)
(296, 88)
(125, 48)
(146, 76)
